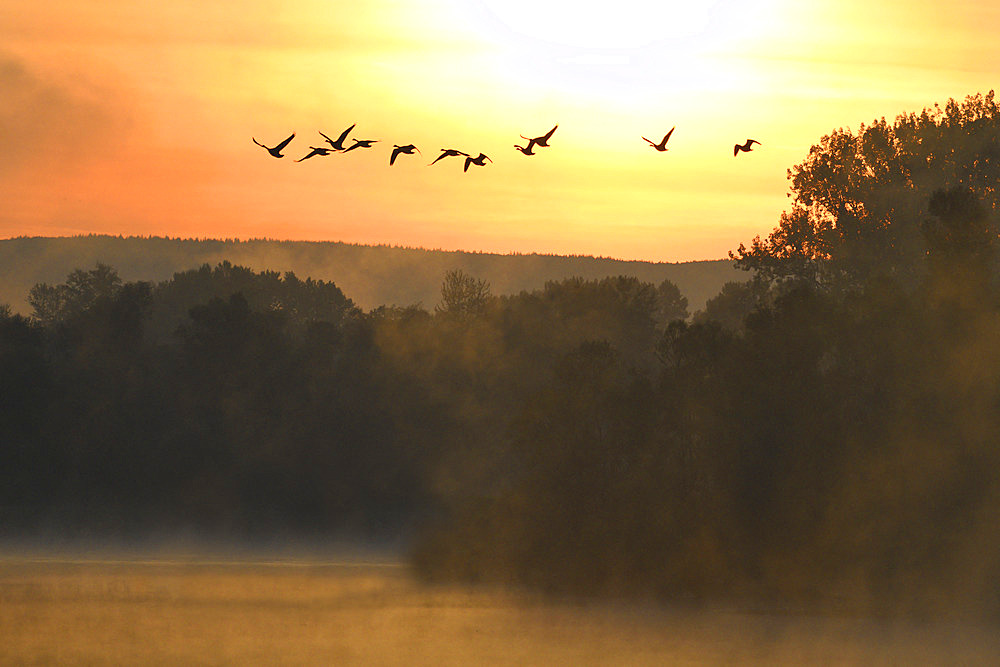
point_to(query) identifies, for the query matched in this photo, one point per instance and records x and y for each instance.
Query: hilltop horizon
(370, 275)
(400, 246)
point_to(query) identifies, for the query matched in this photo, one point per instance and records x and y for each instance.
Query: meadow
(294, 612)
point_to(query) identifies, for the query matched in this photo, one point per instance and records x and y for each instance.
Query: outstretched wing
(650, 142)
(284, 143)
(328, 140)
(343, 135)
(468, 161)
(666, 137)
(443, 154)
(395, 151)
(314, 152)
(736, 149)
(548, 135)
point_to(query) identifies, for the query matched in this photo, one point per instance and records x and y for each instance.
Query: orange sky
(136, 116)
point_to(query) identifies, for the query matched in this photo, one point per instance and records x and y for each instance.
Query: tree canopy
(861, 201)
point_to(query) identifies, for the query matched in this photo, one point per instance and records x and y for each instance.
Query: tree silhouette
(82, 289)
(462, 296)
(732, 304)
(670, 303)
(859, 198)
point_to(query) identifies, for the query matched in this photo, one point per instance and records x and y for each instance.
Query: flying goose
(747, 147)
(276, 151)
(662, 146)
(448, 152)
(479, 160)
(396, 150)
(316, 151)
(338, 145)
(542, 141)
(361, 143)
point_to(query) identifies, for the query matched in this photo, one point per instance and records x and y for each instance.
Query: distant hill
(370, 275)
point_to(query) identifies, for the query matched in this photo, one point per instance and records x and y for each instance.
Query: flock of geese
(337, 146)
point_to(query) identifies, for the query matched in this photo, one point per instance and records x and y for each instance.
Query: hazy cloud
(46, 120)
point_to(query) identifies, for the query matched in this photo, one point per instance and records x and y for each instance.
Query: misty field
(218, 612)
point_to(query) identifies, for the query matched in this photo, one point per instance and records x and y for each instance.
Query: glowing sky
(136, 116)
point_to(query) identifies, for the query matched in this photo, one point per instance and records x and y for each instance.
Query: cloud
(48, 121)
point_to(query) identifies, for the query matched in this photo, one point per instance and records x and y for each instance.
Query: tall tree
(859, 198)
(82, 289)
(670, 303)
(462, 295)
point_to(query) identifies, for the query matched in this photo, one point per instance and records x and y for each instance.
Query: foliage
(82, 290)
(463, 296)
(860, 199)
(670, 303)
(825, 432)
(372, 275)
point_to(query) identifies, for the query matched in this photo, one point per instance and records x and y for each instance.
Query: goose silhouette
(662, 146)
(747, 147)
(448, 152)
(361, 143)
(396, 150)
(338, 145)
(316, 151)
(542, 141)
(479, 160)
(276, 151)
(527, 150)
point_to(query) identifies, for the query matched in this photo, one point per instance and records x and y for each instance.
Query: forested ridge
(373, 275)
(824, 433)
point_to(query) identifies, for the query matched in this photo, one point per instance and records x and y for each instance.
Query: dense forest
(371, 275)
(824, 432)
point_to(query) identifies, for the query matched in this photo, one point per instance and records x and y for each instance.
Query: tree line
(253, 403)
(824, 432)
(370, 275)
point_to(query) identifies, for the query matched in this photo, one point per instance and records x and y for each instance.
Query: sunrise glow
(131, 118)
